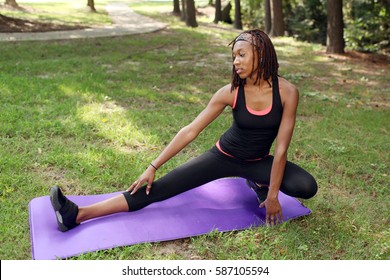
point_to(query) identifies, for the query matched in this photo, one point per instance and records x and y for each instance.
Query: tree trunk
(335, 27)
(91, 5)
(277, 20)
(183, 10)
(176, 7)
(218, 11)
(191, 14)
(237, 14)
(226, 13)
(267, 16)
(11, 3)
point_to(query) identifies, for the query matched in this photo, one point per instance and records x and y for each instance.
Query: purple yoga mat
(223, 205)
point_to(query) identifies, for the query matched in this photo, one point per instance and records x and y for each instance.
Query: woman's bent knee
(308, 187)
(303, 186)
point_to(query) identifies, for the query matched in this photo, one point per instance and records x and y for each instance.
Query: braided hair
(267, 58)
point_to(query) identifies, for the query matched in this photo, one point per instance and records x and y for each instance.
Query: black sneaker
(261, 191)
(66, 211)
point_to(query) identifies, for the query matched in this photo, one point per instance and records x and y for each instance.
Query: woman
(264, 108)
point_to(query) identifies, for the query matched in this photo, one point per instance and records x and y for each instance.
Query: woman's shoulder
(289, 93)
(226, 89)
(225, 94)
(287, 89)
(287, 86)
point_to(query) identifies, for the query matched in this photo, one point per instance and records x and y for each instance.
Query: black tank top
(252, 133)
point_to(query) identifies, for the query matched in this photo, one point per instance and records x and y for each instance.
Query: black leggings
(214, 165)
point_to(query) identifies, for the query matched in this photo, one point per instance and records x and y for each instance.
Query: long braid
(267, 58)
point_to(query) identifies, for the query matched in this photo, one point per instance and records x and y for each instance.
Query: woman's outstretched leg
(69, 215)
(106, 207)
(196, 172)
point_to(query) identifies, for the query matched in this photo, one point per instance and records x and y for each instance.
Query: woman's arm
(290, 96)
(186, 135)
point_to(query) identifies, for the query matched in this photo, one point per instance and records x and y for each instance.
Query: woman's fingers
(273, 219)
(148, 188)
(137, 184)
(134, 187)
(270, 220)
(280, 217)
(131, 187)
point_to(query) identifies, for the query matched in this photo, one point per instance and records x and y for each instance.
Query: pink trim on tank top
(253, 112)
(222, 151)
(259, 113)
(229, 155)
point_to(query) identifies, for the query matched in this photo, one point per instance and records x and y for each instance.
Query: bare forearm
(180, 141)
(277, 173)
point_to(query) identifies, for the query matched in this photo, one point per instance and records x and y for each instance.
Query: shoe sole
(54, 194)
(253, 189)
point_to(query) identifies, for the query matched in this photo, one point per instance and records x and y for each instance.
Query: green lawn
(68, 12)
(90, 115)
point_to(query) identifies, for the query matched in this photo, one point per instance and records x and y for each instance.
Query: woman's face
(243, 62)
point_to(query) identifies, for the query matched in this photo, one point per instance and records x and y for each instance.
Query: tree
(335, 27)
(267, 16)
(91, 5)
(183, 10)
(222, 13)
(191, 13)
(237, 14)
(277, 19)
(176, 7)
(226, 13)
(218, 11)
(11, 3)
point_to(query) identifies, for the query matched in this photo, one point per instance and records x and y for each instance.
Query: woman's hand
(273, 212)
(146, 177)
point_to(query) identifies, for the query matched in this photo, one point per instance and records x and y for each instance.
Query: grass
(89, 115)
(70, 12)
